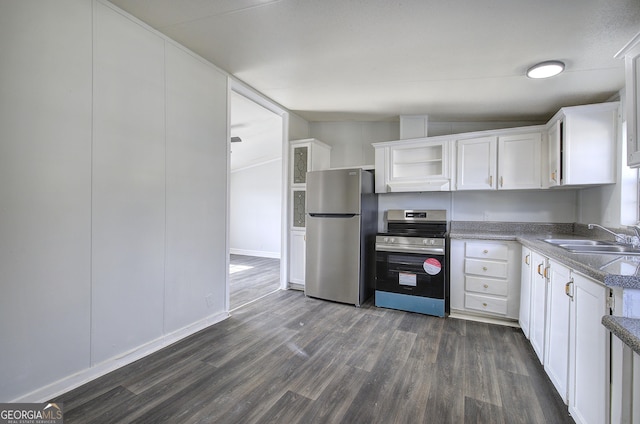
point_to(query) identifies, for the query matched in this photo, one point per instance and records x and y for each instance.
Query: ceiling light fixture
(545, 69)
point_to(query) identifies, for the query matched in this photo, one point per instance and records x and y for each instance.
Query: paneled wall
(113, 187)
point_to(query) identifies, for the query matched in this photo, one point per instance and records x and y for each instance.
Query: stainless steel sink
(612, 249)
(579, 242)
(594, 247)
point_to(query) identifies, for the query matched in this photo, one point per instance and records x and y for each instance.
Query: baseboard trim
(480, 318)
(257, 253)
(296, 286)
(78, 379)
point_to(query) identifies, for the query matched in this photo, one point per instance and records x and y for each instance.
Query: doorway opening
(256, 199)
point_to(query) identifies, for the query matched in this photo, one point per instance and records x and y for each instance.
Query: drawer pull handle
(484, 304)
(526, 259)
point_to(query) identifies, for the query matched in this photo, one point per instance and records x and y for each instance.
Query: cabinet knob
(485, 251)
(484, 268)
(486, 286)
(484, 304)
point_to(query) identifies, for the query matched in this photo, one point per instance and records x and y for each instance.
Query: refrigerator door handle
(333, 215)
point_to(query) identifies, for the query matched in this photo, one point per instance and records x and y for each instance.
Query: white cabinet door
(556, 357)
(555, 164)
(519, 161)
(525, 291)
(589, 358)
(297, 257)
(456, 275)
(477, 162)
(577, 135)
(538, 303)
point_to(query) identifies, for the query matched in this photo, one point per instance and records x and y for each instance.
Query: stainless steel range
(412, 265)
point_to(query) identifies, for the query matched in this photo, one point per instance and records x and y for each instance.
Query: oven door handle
(409, 249)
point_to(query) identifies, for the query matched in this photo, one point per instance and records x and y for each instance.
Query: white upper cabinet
(582, 145)
(519, 161)
(413, 165)
(503, 162)
(477, 163)
(631, 54)
(577, 147)
(307, 155)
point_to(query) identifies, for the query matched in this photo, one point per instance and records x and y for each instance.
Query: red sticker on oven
(432, 266)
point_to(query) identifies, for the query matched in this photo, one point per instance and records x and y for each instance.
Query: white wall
(45, 192)
(505, 206)
(298, 127)
(255, 210)
(351, 141)
(445, 128)
(113, 194)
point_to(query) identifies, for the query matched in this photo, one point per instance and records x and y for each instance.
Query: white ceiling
(377, 59)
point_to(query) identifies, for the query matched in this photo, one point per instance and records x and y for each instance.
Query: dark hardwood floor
(290, 359)
(250, 278)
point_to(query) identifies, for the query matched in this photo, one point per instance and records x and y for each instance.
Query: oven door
(412, 273)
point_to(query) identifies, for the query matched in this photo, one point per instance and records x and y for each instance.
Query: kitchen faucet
(620, 237)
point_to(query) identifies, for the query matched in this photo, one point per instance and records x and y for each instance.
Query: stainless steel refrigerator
(342, 222)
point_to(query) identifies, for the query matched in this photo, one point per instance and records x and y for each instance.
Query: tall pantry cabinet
(304, 155)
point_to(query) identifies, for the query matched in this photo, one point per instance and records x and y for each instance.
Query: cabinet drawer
(485, 268)
(488, 304)
(486, 285)
(487, 250)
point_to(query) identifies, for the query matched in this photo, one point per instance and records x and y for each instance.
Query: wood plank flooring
(251, 277)
(287, 358)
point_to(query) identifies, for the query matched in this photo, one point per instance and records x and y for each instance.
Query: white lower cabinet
(525, 292)
(538, 305)
(297, 249)
(556, 356)
(588, 352)
(485, 278)
(565, 331)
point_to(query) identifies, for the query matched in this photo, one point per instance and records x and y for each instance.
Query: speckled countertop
(626, 329)
(610, 270)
